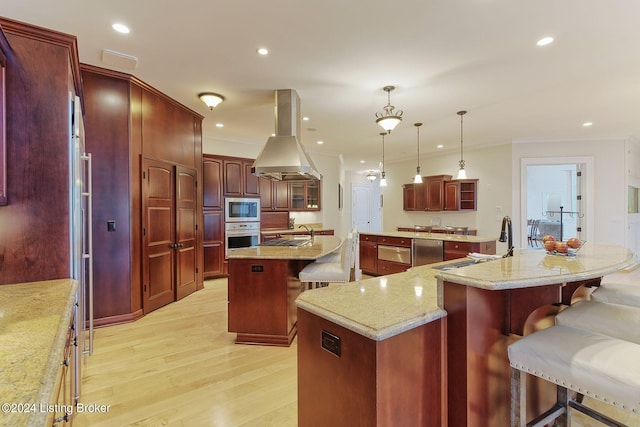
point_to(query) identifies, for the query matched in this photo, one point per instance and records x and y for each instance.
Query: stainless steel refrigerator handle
(88, 252)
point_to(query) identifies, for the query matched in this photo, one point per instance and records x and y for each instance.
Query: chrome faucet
(507, 235)
(307, 228)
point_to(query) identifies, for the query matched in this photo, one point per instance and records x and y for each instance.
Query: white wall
(330, 166)
(490, 165)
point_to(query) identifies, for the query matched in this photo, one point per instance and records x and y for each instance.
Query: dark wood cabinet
(213, 223)
(126, 122)
(274, 195)
(369, 253)
(398, 381)
(434, 189)
(414, 197)
(238, 179)
(304, 196)
(42, 76)
(460, 194)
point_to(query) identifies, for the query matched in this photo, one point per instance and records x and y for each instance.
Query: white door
(361, 207)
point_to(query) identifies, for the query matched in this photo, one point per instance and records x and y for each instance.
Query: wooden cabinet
(455, 250)
(128, 123)
(213, 224)
(347, 379)
(304, 196)
(238, 179)
(414, 197)
(434, 190)
(274, 195)
(63, 399)
(369, 253)
(460, 194)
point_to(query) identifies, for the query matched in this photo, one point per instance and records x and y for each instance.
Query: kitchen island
(452, 363)
(263, 285)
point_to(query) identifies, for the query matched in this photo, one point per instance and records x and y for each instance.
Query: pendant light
(383, 179)
(389, 118)
(462, 174)
(418, 178)
(371, 176)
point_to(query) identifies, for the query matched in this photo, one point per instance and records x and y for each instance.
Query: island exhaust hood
(283, 157)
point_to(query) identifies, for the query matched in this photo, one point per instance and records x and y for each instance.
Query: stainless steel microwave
(238, 209)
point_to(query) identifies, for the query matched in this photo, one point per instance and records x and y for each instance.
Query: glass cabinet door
(313, 195)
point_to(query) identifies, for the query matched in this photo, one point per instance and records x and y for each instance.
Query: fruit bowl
(569, 252)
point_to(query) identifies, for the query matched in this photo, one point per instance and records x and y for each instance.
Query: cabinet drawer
(368, 238)
(395, 241)
(394, 253)
(454, 250)
(390, 267)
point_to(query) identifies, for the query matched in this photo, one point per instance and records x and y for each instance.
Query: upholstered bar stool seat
(594, 350)
(320, 274)
(619, 288)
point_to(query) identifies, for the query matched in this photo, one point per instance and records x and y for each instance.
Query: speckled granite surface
(34, 321)
(531, 267)
(320, 246)
(381, 307)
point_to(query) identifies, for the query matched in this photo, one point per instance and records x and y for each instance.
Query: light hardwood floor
(178, 366)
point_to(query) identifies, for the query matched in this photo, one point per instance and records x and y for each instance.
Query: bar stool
(592, 350)
(320, 274)
(619, 288)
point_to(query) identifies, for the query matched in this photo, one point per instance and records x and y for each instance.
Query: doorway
(365, 211)
(558, 194)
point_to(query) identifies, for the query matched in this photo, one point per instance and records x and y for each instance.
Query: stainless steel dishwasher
(427, 251)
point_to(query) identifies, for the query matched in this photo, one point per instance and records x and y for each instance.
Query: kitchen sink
(454, 265)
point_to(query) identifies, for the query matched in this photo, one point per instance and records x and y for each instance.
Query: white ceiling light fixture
(219, 125)
(211, 99)
(544, 41)
(462, 174)
(587, 124)
(389, 119)
(371, 176)
(263, 51)
(383, 179)
(121, 28)
(418, 178)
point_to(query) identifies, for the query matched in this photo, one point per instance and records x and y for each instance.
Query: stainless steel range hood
(283, 157)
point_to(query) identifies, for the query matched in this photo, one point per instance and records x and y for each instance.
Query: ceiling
(441, 55)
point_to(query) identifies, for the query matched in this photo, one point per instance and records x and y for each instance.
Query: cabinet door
(313, 195)
(158, 222)
(297, 196)
(408, 197)
(213, 243)
(451, 201)
(251, 182)
(233, 177)
(186, 214)
(280, 195)
(435, 194)
(212, 183)
(266, 194)
(369, 253)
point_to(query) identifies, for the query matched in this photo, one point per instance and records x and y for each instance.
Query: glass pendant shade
(462, 174)
(211, 99)
(418, 178)
(388, 119)
(383, 181)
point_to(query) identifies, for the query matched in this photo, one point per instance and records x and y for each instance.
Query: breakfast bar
(447, 332)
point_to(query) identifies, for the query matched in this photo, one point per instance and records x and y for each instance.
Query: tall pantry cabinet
(147, 231)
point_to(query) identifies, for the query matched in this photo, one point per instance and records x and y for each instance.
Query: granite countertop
(34, 321)
(319, 246)
(531, 267)
(433, 236)
(381, 307)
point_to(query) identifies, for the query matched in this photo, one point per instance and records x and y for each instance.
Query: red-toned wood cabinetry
(129, 126)
(460, 195)
(238, 179)
(274, 195)
(213, 233)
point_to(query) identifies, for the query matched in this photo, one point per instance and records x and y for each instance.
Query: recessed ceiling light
(121, 28)
(545, 41)
(587, 124)
(361, 161)
(439, 146)
(306, 119)
(320, 142)
(262, 51)
(219, 125)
